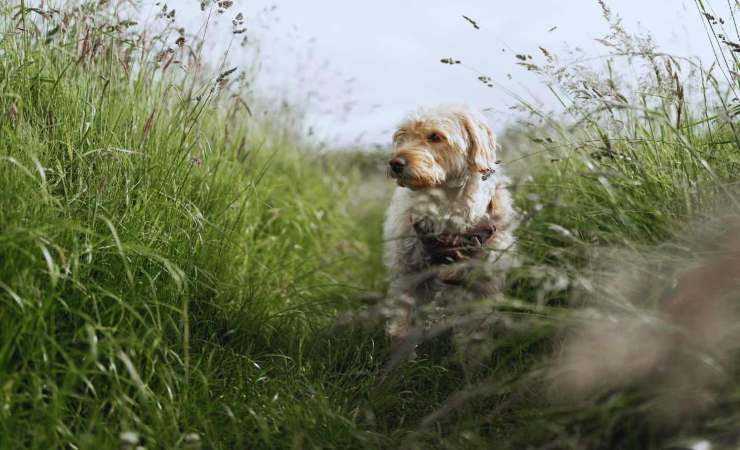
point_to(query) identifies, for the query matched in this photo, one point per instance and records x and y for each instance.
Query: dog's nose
(397, 165)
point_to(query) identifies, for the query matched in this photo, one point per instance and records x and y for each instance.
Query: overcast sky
(369, 62)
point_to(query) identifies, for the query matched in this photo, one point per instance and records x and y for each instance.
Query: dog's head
(441, 147)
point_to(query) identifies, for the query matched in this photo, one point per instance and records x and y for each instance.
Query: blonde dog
(451, 209)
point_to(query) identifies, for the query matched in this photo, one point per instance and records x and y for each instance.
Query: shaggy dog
(451, 211)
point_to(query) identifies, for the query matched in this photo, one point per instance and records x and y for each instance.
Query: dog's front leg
(400, 310)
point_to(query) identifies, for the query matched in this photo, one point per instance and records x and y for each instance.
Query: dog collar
(448, 248)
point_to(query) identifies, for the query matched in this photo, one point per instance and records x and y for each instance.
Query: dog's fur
(450, 184)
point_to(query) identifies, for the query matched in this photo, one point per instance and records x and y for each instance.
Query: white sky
(369, 62)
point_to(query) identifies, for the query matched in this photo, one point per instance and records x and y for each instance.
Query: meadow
(177, 271)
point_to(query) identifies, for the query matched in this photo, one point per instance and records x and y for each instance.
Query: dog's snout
(397, 165)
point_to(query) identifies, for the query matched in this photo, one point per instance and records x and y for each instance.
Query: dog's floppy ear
(481, 143)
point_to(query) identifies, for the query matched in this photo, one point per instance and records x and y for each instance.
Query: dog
(451, 211)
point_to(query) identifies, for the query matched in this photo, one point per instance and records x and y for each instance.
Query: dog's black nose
(397, 165)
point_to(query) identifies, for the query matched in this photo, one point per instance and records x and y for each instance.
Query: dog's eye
(434, 137)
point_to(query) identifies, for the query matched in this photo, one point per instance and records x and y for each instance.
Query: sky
(358, 67)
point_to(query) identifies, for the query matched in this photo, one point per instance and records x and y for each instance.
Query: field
(175, 273)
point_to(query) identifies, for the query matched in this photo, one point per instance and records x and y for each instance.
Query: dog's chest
(443, 213)
(444, 220)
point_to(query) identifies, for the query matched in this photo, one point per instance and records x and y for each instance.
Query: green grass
(166, 268)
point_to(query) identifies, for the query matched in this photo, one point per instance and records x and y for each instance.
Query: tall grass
(618, 195)
(171, 272)
(163, 269)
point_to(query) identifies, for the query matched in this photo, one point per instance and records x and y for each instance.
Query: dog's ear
(481, 143)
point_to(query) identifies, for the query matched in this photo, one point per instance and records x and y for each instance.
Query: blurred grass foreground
(173, 264)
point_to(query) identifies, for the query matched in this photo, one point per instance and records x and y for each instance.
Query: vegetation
(171, 274)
